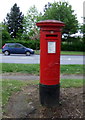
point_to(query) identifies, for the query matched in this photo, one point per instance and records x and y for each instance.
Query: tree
(30, 20)
(5, 33)
(62, 11)
(14, 22)
(82, 30)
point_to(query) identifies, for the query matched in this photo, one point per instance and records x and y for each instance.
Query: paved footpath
(18, 76)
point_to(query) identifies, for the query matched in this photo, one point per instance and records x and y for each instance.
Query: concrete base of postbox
(49, 95)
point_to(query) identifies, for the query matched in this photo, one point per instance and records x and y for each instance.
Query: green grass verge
(22, 68)
(71, 53)
(72, 69)
(34, 68)
(11, 86)
(65, 52)
(0, 50)
(67, 83)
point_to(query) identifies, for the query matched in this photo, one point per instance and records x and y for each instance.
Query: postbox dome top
(55, 23)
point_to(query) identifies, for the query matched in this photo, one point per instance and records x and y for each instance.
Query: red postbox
(50, 42)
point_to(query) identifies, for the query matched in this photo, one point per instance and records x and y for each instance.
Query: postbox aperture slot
(51, 47)
(51, 36)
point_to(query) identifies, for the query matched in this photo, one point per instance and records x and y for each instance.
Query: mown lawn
(71, 53)
(65, 52)
(0, 50)
(35, 68)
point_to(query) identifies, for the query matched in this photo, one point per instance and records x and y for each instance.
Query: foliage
(24, 30)
(73, 44)
(14, 22)
(5, 33)
(30, 22)
(82, 29)
(0, 29)
(62, 11)
(34, 44)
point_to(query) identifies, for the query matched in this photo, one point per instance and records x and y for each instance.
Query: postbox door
(50, 63)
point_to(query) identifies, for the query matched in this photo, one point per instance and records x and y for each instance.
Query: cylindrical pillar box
(50, 42)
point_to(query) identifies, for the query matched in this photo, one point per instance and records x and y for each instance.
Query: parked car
(16, 48)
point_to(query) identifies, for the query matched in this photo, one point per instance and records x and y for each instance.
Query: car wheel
(27, 53)
(6, 53)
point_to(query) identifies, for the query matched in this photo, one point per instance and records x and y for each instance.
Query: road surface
(35, 59)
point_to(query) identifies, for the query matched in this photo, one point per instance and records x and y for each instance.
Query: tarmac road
(35, 59)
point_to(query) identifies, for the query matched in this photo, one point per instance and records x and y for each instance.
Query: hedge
(65, 46)
(34, 44)
(74, 46)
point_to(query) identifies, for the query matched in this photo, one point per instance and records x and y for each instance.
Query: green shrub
(73, 47)
(72, 44)
(34, 44)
